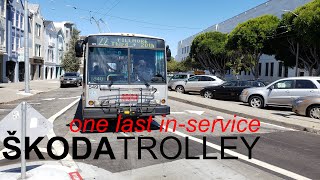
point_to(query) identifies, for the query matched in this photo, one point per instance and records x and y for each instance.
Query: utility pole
(26, 48)
(297, 59)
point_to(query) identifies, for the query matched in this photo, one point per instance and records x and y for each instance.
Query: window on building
(280, 69)
(67, 46)
(182, 50)
(301, 74)
(21, 22)
(271, 69)
(67, 33)
(17, 19)
(37, 50)
(13, 40)
(12, 16)
(259, 69)
(267, 69)
(2, 7)
(286, 70)
(38, 29)
(17, 42)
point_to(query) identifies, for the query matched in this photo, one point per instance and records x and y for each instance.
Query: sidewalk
(13, 91)
(279, 116)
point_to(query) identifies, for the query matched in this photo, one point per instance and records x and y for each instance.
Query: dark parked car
(70, 78)
(229, 90)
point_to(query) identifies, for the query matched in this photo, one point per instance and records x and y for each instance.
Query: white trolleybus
(124, 74)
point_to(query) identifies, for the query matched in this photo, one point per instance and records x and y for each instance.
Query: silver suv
(281, 92)
(178, 77)
(196, 83)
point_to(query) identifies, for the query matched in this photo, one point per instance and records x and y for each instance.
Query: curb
(293, 126)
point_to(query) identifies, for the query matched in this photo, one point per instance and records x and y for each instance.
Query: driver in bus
(143, 72)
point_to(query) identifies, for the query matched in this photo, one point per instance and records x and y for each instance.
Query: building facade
(14, 71)
(50, 50)
(36, 53)
(64, 38)
(269, 68)
(3, 50)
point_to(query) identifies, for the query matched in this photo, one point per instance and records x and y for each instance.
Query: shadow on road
(113, 125)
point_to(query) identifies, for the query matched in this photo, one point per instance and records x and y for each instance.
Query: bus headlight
(91, 103)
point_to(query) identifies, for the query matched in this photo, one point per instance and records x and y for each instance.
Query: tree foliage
(252, 38)
(300, 27)
(70, 63)
(208, 49)
(186, 65)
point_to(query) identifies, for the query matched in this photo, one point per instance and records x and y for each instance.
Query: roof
(125, 34)
(46, 22)
(302, 77)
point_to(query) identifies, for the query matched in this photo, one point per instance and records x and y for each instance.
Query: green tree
(252, 38)
(70, 63)
(172, 65)
(209, 50)
(300, 27)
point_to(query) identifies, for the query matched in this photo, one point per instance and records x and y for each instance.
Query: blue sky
(172, 20)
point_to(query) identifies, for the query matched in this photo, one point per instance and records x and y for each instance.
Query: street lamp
(298, 46)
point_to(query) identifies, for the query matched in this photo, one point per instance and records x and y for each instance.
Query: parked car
(178, 77)
(70, 78)
(307, 106)
(196, 83)
(281, 92)
(230, 90)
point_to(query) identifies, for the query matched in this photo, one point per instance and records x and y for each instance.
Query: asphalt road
(289, 152)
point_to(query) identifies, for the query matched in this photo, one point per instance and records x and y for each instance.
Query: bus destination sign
(121, 41)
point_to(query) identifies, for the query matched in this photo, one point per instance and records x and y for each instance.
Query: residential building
(270, 69)
(50, 50)
(3, 51)
(14, 71)
(36, 53)
(60, 52)
(66, 29)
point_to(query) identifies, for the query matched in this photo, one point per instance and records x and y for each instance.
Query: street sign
(36, 124)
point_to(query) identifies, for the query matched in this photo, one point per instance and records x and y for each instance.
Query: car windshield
(230, 83)
(70, 74)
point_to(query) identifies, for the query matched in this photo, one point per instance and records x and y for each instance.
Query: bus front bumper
(99, 112)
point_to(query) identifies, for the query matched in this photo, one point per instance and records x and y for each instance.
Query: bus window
(148, 66)
(107, 64)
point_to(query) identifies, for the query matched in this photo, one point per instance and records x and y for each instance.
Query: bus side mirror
(79, 48)
(168, 52)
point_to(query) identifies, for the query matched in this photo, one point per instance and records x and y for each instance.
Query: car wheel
(314, 112)
(61, 86)
(208, 94)
(180, 89)
(256, 102)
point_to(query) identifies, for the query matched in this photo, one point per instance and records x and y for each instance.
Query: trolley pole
(26, 48)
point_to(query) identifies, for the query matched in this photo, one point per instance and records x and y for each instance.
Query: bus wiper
(145, 82)
(110, 84)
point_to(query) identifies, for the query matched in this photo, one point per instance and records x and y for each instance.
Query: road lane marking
(124, 134)
(289, 129)
(48, 99)
(177, 112)
(243, 157)
(69, 98)
(57, 146)
(52, 118)
(195, 112)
